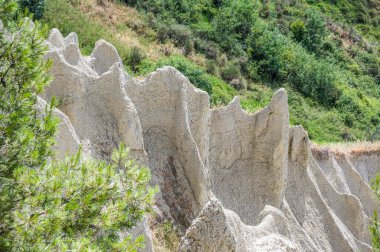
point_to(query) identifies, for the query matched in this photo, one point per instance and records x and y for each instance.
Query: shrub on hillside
(36, 7)
(314, 78)
(196, 75)
(232, 25)
(239, 84)
(275, 58)
(316, 31)
(135, 57)
(211, 67)
(222, 60)
(130, 2)
(230, 71)
(188, 48)
(298, 30)
(209, 48)
(179, 34)
(265, 50)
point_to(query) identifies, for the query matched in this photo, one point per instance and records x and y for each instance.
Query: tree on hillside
(312, 33)
(233, 25)
(298, 30)
(34, 6)
(49, 205)
(316, 31)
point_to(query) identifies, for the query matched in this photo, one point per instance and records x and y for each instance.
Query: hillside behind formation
(325, 54)
(229, 181)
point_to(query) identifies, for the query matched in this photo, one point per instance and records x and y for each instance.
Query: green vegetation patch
(252, 48)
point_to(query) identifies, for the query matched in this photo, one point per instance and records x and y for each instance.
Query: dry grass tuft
(166, 237)
(127, 25)
(352, 149)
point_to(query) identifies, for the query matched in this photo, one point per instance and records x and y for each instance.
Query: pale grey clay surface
(231, 181)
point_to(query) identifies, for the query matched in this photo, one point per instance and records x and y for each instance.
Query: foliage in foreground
(25, 138)
(79, 205)
(47, 205)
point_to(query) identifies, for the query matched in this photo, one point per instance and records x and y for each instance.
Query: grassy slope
(363, 15)
(125, 27)
(347, 20)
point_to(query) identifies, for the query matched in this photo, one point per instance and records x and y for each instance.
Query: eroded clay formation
(232, 181)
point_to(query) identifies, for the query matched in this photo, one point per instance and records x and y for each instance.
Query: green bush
(79, 205)
(278, 59)
(232, 25)
(135, 58)
(314, 78)
(179, 34)
(130, 2)
(188, 48)
(211, 67)
(316, 31)
(36, 7)
(230, 71)
(209, 48)
(222, 60)
(374, 69)
(298, 30)
(265, 48)
(196, 75)
(220, 92)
